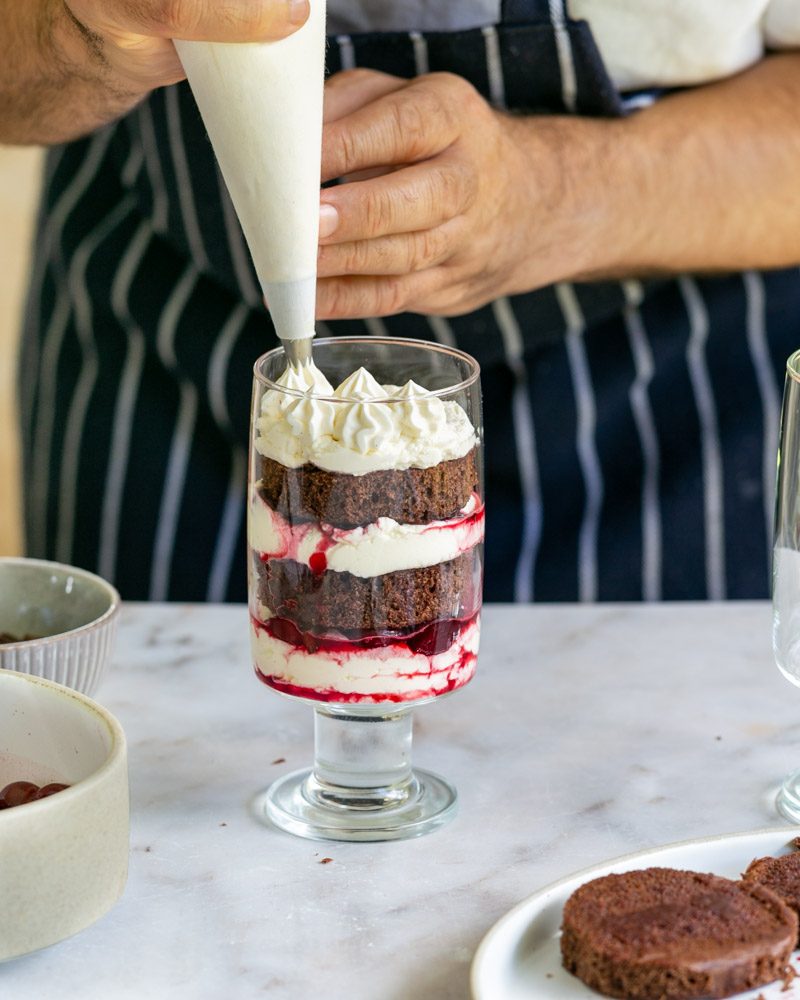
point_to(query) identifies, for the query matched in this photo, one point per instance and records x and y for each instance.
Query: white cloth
(643, 42)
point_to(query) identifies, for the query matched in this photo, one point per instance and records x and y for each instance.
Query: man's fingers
(408, 125)
(350, 90)
(356, 296)
(405, 254)
(418, 197)
(194, 20)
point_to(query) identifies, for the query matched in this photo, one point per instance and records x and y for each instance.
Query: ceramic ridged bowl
(64, 617)
(63, 859)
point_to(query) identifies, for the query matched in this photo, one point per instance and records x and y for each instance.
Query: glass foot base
(303, 805)
(787, 801)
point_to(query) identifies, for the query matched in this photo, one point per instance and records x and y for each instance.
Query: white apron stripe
(228, 534)
(169, 510)
(51, 164)
(152, 159)
(376, 327)
(76, 416)
(646, 427)
(183, 180)
(525, 441)
(494, 67)
(566, 60)
(43, 421)
(767, 386)
(171, 316)
(122, 423)
(633, 292)
(120, 446)
(347, 53)
(239, 254)
(420, 44)
(52, 161)
(710, 444)
(47, 369)
(71, 195)
(585, 444)
(133, 166)
(218, 365)
(28, 376)
(635, 102)
(442, 331)
(181, 445)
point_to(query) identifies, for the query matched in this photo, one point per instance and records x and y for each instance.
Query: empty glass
(786, 561)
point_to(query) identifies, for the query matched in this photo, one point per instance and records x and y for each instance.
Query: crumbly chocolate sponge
(662, 934)
(781, 875)
(410, 496)
(342, 602)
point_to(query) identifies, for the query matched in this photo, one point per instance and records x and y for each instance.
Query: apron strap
(536, 60)
(522, 11)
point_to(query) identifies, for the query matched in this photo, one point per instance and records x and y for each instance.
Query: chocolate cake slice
(393, 602)
(781, 875)
(410, 496)
(662, 934)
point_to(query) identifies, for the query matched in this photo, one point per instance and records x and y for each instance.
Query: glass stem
(361, 761)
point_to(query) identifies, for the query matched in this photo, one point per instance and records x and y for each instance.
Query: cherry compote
(19, 792)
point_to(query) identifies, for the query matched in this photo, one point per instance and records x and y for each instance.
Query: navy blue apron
(630, 427)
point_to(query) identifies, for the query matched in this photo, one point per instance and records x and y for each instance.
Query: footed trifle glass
(365, 538)
(786, 562)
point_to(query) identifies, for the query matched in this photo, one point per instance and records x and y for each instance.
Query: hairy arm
(479, 203)
(712, 178)
(70, 66)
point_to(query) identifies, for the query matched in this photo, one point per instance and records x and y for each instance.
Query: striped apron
(630, 426)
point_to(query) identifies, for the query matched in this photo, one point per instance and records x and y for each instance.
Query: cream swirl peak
(361, 426)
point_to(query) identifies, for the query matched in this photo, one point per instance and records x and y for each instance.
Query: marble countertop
(588, 732)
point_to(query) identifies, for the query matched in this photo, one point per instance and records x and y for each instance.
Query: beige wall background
(19, 189)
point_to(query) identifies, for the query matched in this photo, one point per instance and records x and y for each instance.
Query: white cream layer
(359, 427)
(384, 546)
(389, 670)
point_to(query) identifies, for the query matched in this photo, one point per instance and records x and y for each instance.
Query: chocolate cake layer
(661, 934)
(410, 496)
(394, 602)
(781, 875)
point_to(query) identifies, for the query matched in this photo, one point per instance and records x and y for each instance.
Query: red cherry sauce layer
(429, 640)
(432, 684)
(459, 674)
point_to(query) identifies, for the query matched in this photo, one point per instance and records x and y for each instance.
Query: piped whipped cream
(361, 426)
(384, 546)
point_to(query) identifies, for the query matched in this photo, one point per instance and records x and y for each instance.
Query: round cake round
(781, 875)
(663, 934)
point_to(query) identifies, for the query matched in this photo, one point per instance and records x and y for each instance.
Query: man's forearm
(72, 65)
(53, 87)
(705, 180)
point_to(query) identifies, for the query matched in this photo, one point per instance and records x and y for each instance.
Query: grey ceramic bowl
(63, 859)
(64, 618)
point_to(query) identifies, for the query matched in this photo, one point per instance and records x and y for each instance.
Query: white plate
(519, 959)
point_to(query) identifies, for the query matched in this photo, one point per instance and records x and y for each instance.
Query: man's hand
(448, 204)
(452, 208)
(71, 66)
(132, 38)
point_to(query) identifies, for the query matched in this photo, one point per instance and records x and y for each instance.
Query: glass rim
(428, 345)
(793, 365)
